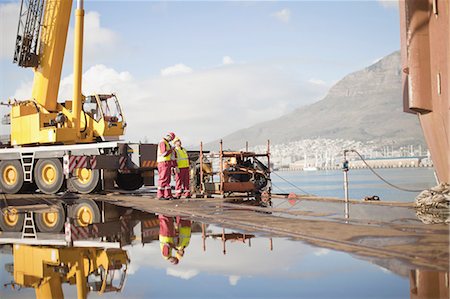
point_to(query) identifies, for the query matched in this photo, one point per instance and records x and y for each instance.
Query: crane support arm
(47, 74)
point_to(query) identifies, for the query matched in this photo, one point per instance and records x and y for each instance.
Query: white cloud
(233, 279)
(99, 43)
(321, 251)
(176, 69)
(198, 106)
(9, 18)
(317, 81)
(97, 39)
(226, 60)
(283, 15)
(389, 4)
(183, 274)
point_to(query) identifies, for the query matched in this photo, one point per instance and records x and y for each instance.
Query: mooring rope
(383, 179)
(293, 185)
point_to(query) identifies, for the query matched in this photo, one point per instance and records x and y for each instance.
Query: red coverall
(182, 176)
(166, 235)
(165, 164)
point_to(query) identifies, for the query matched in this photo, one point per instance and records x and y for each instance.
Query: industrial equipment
(239, 172)
(74, 143)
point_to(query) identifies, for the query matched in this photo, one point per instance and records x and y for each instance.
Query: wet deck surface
(372, 229)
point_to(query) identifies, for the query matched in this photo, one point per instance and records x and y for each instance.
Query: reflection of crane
(46, 268)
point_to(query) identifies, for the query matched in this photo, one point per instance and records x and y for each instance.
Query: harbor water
(221, 262)
(362, 183)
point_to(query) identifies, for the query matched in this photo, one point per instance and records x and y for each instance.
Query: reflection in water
(98, 267)
(428, 284)
(46, 268)
(174, 235)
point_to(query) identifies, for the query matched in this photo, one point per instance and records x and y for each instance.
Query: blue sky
(248, 61)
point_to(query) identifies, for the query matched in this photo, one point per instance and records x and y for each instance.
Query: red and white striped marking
(122, 162)
(73, 232)
(124, 224)
(75, 162)
(93, 162)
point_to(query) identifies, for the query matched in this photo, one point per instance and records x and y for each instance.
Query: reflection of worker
(182, 172)
(165, 164)
(184, 236)
(167, 238)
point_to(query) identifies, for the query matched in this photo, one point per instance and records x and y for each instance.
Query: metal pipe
(80, 4)
(78, 67)
(345, 170)
(201, 168)
(221, 167)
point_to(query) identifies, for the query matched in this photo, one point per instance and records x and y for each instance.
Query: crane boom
(47, 74)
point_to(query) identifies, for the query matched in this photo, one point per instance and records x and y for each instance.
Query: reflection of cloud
(233, 279)
(180, 273)
(239, 261)
(384, 270)
(283, 15)
(321, 251)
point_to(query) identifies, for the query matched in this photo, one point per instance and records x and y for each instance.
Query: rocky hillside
(365, 105)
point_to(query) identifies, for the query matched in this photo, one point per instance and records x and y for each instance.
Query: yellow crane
(72, 143)
(91, 269)
(42, 119)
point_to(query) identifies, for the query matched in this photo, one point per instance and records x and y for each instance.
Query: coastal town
(327, 154)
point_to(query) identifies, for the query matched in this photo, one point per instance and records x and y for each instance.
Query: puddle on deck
(228, 263)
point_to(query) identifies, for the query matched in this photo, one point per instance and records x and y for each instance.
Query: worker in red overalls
(167, 236)
(184, 236)
(165, 164)
(182, 172)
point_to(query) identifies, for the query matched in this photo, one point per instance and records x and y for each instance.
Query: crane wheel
(85, 180)
(51, 222)
(11, 221)
(129, 181)
(11, 176)
(85, 212)
(48, 175)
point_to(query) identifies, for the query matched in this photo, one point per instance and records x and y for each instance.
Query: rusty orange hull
(425, 48)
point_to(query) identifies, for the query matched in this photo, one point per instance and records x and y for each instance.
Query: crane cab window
(111, 108)
(90, 107)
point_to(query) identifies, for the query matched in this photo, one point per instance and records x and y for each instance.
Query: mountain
(364, 105)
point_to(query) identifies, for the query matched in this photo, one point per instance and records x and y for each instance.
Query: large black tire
(11, 176)
(11, 222)
(129, 181)
(85, 180)
(48, 175)
(85, 211)
(51, 222)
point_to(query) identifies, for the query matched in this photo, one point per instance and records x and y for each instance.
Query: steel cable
(383, 179)
(293, 185)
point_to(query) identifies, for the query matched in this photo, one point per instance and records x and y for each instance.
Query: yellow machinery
(73, 144)
(41, 119)
(46, 268)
